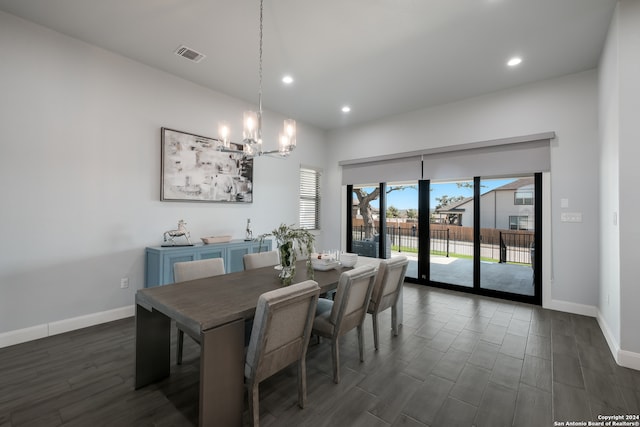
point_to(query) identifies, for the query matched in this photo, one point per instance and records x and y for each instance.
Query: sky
(408, 198)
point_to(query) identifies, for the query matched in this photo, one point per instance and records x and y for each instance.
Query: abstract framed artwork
(194, 170)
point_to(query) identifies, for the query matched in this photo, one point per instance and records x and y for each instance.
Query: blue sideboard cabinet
(159, 260)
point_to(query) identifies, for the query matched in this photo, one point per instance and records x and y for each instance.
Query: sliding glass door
(365, 219)
(402, 222)
(507, 221)
(451, 232)
(482, 236)
(474, 234)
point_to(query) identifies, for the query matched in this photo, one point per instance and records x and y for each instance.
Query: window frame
(523, 201)
(519, 220)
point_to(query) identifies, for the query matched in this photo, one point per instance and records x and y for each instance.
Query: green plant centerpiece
(287, 238)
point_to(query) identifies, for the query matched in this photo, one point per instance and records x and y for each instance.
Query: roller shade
(509, 156)
(529, 157)
(399, 169)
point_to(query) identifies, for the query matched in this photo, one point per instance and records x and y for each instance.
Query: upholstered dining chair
(260, 259)
(386, 291)
(279, 337)
(346, 312)
(192, 270)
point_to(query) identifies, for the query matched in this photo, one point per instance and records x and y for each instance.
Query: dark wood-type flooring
(460, 360)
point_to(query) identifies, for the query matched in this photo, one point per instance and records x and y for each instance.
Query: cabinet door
(256, 247)
(172, 258)
(208, 253)
(234, 258)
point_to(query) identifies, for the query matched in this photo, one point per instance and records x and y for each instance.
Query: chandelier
(252, 124)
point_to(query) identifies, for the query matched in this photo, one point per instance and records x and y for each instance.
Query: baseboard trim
(23, 335)
(572, 307)
(628, 359)
(66, 325)
(612, 342)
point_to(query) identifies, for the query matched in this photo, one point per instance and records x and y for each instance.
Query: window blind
(309, 199)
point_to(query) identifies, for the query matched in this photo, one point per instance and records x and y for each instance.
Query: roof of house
(515, 185)
(455, 207)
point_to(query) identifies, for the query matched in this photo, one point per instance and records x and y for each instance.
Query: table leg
(399, 309)
(222, 375)
(153, 346)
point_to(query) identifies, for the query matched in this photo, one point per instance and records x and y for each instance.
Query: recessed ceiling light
(514, 61)
(287, 80)
(346, 109)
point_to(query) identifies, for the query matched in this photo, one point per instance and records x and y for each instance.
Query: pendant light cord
(260, 64)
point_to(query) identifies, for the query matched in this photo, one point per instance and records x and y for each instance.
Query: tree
(446, 200)
(393, 212)
(412, 214)
(364, 201)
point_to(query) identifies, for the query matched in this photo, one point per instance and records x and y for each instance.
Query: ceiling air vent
(189, 53)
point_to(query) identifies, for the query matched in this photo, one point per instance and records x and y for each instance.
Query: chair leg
(394, 321)
(374, 317)
(336, 360)
(180, 345)
(253, 396)
(302, 382)
(361, 342)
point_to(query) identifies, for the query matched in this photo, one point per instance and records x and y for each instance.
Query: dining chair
(279, 337)
(192, 270)
(260, 259)
(386, 291)
(346, 312)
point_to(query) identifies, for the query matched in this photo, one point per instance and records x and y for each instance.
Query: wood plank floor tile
(459, 360)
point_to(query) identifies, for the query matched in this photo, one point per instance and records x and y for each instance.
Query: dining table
(214, 309)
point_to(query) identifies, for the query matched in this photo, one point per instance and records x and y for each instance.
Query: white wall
(80, 173)
(609, 95)
(619, 174)
(629, 173)
(567, 106)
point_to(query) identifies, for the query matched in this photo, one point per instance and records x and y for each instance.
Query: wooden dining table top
(210, 302)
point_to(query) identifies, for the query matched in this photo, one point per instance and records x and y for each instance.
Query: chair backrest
(260, 259)
(281, 329)
(192, 270)
(352, 298)
(388, 284)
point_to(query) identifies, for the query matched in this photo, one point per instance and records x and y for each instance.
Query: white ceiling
(381, 57)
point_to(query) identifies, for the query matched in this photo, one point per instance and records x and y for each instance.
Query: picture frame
(193, 169)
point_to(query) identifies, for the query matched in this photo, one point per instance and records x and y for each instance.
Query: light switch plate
(571, 217)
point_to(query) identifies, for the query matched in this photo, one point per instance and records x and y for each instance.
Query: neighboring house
(456, 213)
(509, 207)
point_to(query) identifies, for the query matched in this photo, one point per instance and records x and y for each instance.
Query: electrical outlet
(124, 283)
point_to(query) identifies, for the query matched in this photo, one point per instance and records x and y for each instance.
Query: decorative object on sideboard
(252, 126)
(287, 238)
(170, 236)
(193, 170)
(215, 239)
(248, 231)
